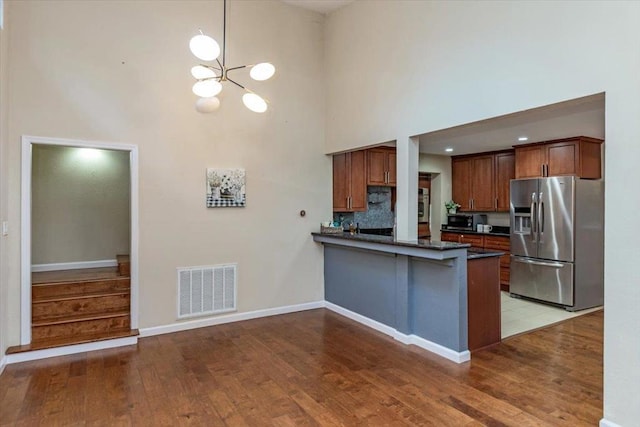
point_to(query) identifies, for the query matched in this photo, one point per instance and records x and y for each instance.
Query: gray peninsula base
(417, 290)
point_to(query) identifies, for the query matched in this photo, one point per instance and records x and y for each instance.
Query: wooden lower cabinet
(486, 241)
(483, 302)
(423, 230)
(501, 243)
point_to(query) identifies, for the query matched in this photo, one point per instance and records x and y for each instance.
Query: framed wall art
(226, 188)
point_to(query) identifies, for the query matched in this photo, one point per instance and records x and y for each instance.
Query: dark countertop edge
(482, 253)
(388, 240)
(476, 232)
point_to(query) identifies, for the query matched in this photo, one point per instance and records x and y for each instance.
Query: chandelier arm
(238, 68)
(238, 84)
(211, 67)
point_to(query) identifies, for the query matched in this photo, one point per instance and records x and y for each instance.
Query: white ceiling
(322, 6)
(578, 117)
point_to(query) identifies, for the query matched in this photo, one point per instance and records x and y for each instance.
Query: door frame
(25, 223)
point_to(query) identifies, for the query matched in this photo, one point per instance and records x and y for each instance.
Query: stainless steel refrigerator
(557, 241)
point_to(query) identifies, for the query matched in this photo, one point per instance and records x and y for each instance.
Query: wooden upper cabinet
(483, 194)
(341, 189)
(381, 163)
(505, 165)
(350, 182)
(579, 156)
(460, 182)
(480, 182)
(391, 162)
(529, 162)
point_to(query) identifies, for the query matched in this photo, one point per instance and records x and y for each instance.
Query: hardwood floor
(313, 368)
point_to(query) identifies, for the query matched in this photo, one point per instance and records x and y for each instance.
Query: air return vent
(206, 290)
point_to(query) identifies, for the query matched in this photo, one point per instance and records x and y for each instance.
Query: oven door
(421, 211)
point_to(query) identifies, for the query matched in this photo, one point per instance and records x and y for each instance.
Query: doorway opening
(79, 273)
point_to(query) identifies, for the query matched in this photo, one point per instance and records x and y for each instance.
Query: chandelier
(210, 77)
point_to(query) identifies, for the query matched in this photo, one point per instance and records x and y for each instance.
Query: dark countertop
(419, 243)
(474, 253)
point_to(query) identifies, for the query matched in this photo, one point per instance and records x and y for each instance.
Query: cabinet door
(449, 237)
(475, 240)
(529, 161)
(391, 167)
(460, 176)
(423, 230)
(562, 158)
(505, 172)
(377, 160)
(482, 183)
(340, 183)
(358, 181)
(500, 243)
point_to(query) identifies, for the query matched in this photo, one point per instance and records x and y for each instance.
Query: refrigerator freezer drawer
(544, 280)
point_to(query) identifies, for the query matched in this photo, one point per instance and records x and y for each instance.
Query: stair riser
(80, 328)
(79, 288)
(91, 305)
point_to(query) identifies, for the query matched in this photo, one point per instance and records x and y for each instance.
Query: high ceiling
(577, 117)
(322, 6)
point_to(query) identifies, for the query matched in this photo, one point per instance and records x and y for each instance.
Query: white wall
(440, 188)
(119, 72)
(406, 68)
(79, 203)
(3, 185)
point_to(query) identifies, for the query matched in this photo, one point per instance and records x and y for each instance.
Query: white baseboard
(236, 317)
(35, 268)
(447, 353)
(3, 363)
(70, 349)
(605, 423)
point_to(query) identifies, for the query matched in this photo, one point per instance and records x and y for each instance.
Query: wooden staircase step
(70, 307)
(80, 325)
(78, 339)
(43, 291)
(80, 318)
(81, 296)
(124, 265)
(76, 275)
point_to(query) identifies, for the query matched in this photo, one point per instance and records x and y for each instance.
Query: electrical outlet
(5, 228)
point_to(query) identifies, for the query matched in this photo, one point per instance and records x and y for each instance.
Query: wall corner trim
(447, 353)
(235, 317)
(606, 423)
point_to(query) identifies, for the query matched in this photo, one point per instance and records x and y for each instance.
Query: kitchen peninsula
(415, 291)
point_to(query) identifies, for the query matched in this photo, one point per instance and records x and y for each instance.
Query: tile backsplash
(378, 213)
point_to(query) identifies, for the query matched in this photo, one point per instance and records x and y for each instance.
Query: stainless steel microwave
(465, 222)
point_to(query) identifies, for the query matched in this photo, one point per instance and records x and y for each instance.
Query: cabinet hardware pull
(542, 169)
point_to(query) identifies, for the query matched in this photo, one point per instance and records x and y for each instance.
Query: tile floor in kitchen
(519, 315)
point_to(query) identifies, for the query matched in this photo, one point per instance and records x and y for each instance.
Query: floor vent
(206, 290)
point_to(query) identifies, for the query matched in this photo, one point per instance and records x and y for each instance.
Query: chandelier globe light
(209, 78)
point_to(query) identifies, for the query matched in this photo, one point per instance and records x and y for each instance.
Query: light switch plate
(5, 228)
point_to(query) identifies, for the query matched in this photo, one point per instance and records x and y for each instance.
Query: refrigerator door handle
(533, 217)
(540, 215)
(542, 263)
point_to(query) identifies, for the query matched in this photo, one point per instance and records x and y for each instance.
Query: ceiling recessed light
(448, 150)
(523, 138)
